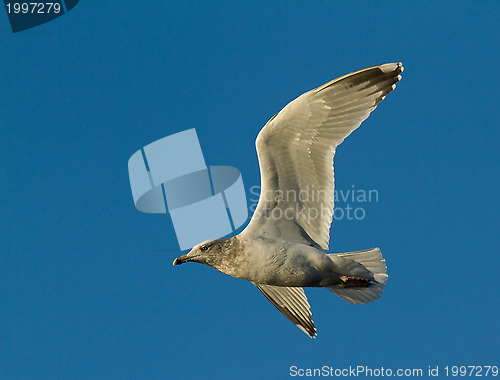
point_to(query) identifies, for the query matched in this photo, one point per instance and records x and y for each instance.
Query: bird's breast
(277, 263)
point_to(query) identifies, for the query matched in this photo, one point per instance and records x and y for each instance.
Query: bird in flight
(284, 248)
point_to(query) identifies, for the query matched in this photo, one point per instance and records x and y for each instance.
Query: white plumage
(284, 247)
(296, 148)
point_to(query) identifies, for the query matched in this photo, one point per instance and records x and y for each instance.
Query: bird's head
(209, 252)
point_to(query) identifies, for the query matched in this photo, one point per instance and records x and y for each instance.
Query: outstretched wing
(292, 302)
(296, 149)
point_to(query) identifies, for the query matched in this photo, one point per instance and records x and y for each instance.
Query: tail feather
(368, 264)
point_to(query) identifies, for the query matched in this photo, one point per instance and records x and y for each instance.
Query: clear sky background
(87, 287)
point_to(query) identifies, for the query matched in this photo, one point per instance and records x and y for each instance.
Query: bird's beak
(183, 259)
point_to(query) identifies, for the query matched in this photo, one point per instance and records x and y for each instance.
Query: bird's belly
(292, 276)
(298, 265)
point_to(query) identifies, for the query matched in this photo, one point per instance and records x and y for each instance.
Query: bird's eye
(203, 248)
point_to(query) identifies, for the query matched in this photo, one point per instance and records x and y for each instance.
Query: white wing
(296, 149)
(292, 302)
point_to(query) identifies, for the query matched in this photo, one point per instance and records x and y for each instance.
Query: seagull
(284, 248)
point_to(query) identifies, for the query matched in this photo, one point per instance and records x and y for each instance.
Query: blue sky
(87, 286)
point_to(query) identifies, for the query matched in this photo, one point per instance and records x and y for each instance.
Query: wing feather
(296, 150)
(292, 302)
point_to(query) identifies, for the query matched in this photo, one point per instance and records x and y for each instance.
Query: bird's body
(277, 262)
(284, 248)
